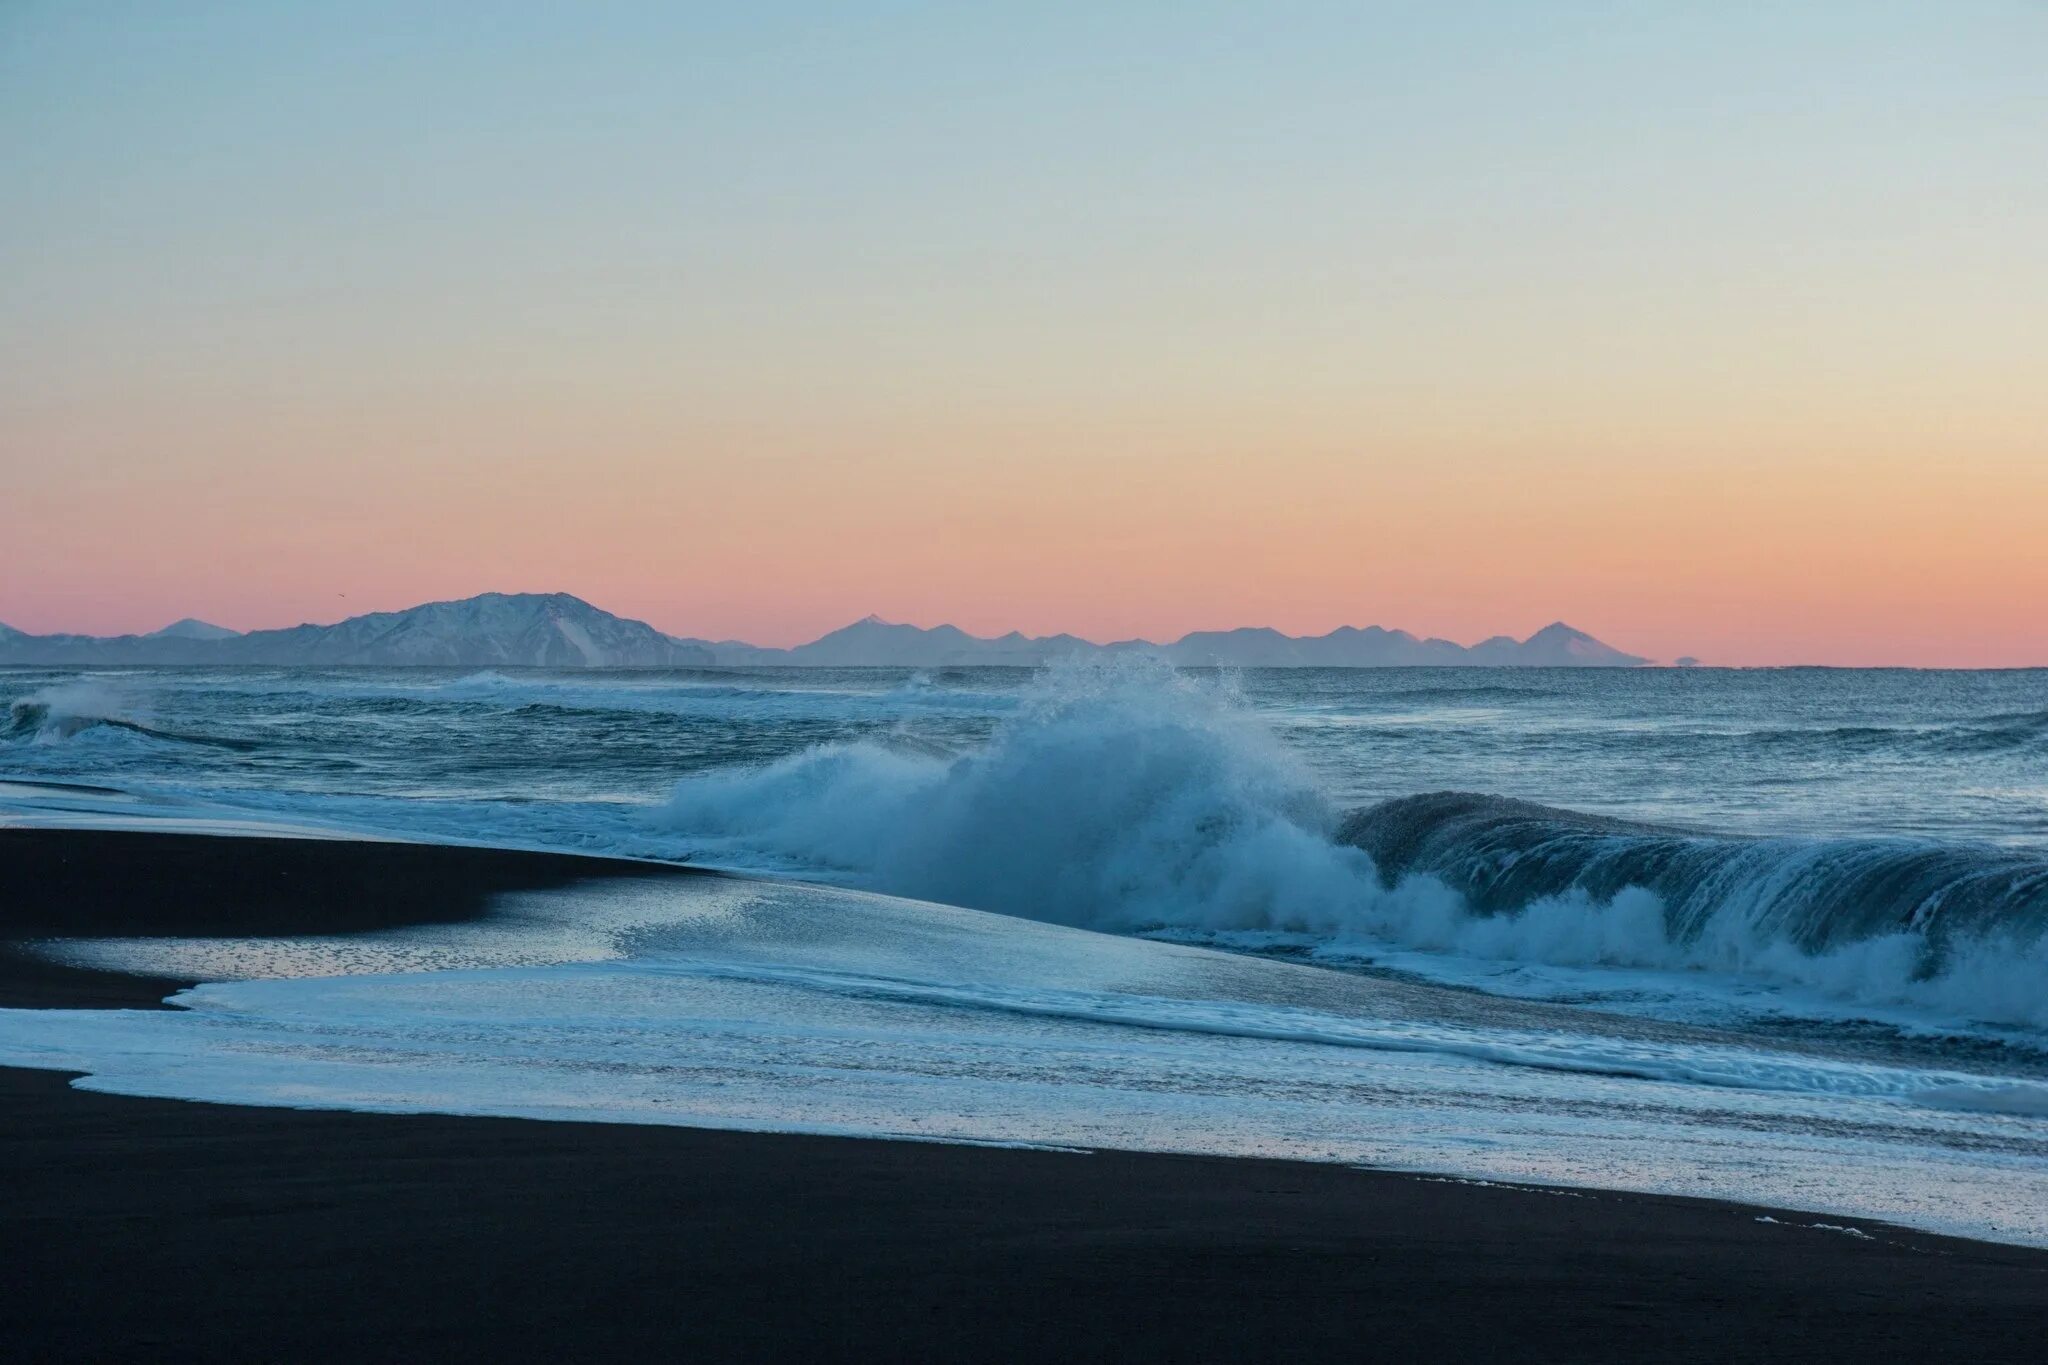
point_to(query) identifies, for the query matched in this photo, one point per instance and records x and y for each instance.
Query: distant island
(556, 630)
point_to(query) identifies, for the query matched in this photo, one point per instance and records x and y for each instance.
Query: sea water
(1770, 935)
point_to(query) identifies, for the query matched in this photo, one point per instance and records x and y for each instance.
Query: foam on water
(728, 1003)
(1783, 857)
(1127, 797)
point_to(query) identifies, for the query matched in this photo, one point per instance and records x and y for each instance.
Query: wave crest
(1816, 894)
(60, 713)
(57, 714)
(1122, 795)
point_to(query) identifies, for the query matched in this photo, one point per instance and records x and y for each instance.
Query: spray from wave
(58, 714)
(1124, 796)
(1120, 795)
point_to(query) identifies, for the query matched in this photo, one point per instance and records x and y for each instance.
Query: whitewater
(1789, 843)
(1780, 936)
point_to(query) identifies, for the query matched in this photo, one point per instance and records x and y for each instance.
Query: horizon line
(1679, 660)
(875, 618)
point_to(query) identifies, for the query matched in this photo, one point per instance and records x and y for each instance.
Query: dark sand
(157, 1229)
(65, 883)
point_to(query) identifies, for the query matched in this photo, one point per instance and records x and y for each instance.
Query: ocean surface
(1772, 935)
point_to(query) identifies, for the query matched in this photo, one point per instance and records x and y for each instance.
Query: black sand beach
(80, 883)
(169, 1230)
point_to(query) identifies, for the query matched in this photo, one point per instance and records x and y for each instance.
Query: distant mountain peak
(489, 630)
(192, 628)
(561, 630)
(1558, 645)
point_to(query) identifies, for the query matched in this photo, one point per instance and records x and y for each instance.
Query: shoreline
(119, 883)
(172, 1229)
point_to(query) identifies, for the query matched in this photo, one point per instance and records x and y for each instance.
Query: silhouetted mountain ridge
(543, 630)
(557, 630)
(192, 628)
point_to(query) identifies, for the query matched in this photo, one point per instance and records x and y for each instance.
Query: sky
(1717, 330)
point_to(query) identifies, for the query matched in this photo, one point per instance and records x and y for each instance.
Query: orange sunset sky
(1716, 331)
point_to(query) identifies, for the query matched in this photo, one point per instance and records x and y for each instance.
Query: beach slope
(134, 1228)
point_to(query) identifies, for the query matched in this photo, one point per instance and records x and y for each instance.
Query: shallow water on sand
(734, 1003)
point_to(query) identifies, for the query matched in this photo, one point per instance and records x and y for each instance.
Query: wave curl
(1125, 796)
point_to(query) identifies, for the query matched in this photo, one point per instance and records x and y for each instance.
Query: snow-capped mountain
(541, 630)
(556, 630)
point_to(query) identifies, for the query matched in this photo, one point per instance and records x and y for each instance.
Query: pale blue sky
(257, 247)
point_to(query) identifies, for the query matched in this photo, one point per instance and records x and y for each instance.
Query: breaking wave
(64, 713)
(1128, 797)
(1962, 928)
(1815, 894)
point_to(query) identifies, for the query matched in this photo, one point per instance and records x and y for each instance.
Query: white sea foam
(727, 1003)
(54, 714)
(1122, 795)
(1987, 1097)
(1126, 796)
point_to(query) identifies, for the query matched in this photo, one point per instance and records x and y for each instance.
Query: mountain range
(556, 630)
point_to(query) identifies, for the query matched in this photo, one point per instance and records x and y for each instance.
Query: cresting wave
(65, 713)
(1125, 796)
(1963, 928)
(1501, 854)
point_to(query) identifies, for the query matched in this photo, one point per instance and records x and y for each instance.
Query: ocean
(1776, 935)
